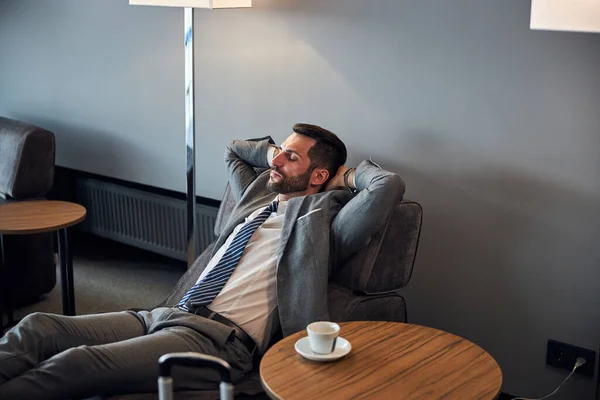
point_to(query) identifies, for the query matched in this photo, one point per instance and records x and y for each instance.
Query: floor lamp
(190, 131)
(566, 15)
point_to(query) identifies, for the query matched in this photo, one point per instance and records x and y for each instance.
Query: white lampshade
(194, 3)
(566, 15)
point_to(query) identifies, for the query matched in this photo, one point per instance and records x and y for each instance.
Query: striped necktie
(204, 292)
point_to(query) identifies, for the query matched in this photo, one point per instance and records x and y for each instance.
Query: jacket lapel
(292, 211)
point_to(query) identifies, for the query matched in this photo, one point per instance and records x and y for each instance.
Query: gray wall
(495, 128)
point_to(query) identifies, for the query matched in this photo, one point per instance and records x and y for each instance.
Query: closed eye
(290, 154)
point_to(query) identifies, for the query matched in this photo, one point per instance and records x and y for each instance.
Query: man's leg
(123, 367)
(40, 336)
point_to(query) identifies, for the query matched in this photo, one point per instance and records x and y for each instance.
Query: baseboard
(65, 178)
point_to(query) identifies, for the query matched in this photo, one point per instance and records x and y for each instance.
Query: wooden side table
(389, 360)
(39, 216)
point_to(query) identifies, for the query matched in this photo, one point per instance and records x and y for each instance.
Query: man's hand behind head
(337, 182)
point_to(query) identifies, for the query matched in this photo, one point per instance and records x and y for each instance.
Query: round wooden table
(39, 216)
(389, 360)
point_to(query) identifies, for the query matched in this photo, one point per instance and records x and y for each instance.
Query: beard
(292, 184)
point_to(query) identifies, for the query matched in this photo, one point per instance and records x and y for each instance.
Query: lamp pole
(192, 243)
(190, 137)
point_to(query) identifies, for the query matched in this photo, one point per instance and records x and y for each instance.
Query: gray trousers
(48, 356)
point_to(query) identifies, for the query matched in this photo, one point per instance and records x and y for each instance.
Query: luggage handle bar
(169, 360)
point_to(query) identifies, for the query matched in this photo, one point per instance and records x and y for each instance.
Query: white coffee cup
(322, 336)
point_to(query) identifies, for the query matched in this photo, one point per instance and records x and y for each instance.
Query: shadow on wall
(398, 56)
(506, 259)
(92, 147)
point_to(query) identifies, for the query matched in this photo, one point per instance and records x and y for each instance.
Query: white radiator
(142, 219)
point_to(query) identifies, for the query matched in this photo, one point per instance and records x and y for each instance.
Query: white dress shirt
(249, 298)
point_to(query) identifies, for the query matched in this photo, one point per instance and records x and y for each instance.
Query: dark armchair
(360, 291)
(27, 155)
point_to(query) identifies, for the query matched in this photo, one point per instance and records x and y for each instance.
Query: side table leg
(66, 272)
(71, 286)
(6, 300)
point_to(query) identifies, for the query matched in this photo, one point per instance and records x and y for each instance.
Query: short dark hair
(329, 152)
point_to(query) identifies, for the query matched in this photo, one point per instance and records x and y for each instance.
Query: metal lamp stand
(190, 138)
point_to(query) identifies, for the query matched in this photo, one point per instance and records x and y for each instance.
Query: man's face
(291, 167)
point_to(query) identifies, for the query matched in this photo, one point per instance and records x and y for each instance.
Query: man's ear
(319, 176)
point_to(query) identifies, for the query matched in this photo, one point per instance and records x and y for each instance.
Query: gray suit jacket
(318, 232)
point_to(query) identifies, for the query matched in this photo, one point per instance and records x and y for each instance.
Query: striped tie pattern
(204, 292)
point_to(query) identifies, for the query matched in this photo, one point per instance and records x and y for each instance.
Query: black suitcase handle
(168, 361)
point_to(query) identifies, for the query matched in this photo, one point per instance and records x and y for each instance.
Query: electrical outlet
(563, 355)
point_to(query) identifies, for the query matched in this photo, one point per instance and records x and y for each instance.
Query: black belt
(239, 332)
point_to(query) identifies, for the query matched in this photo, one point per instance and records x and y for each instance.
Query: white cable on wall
(580, 361)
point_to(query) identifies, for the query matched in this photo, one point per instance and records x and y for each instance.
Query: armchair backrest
(386, 262)
(27, 155)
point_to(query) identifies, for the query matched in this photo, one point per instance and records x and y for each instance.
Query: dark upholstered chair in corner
(358, 291)
(27, 155)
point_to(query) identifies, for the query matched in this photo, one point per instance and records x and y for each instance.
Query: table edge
(271, 394)
(44, 229)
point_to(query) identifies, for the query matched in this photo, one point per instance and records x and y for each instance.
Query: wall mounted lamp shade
(190, 126)
(194, 3)
(566, 15)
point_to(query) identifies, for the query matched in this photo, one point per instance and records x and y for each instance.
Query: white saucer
(342, 347)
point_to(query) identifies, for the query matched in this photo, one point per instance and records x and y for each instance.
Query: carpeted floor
(110, 276)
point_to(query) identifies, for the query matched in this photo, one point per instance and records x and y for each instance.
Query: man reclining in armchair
(268, 271)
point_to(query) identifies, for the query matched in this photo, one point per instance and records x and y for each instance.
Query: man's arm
(241, 157)
(379, 191)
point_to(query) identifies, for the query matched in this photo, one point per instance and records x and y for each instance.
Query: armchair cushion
(227, 205)
(346, 305)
